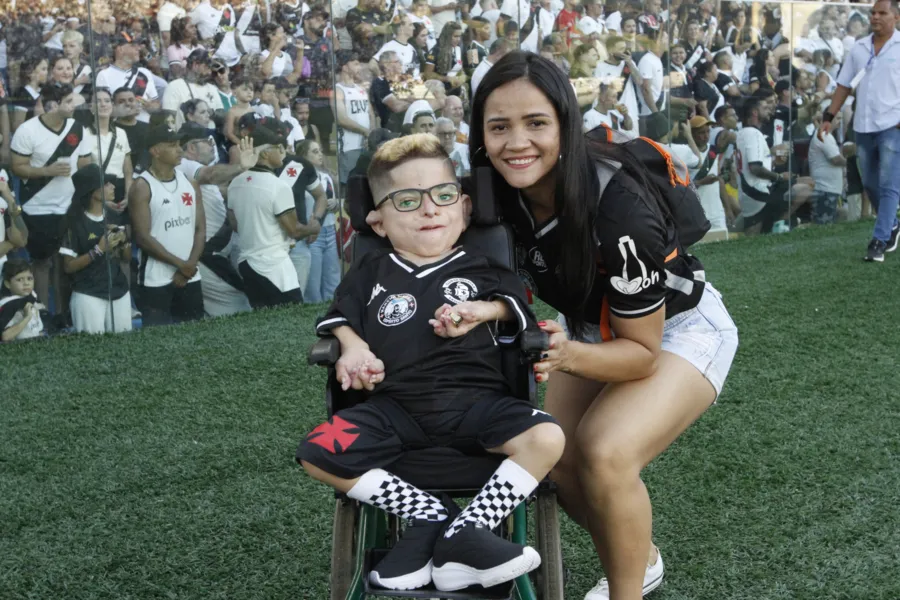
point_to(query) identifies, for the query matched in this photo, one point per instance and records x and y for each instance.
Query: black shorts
(262, 293)
(44, 235)
(378, 433)
(777, 206)
(169, 304)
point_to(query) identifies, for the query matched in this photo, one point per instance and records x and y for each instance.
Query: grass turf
(160, 464)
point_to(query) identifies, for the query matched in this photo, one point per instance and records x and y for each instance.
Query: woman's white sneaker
(653, 578)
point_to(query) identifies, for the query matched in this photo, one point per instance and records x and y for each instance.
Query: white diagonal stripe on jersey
(546, 229)
(639, 311)
(427, 272)
(399, 262)
(330, 321)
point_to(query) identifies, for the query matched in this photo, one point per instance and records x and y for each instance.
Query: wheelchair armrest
(325, 352)
(532, 342)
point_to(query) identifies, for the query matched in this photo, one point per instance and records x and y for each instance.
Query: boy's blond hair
(396, 152)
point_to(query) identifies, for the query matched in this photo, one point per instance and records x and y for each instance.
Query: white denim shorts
(705, 336)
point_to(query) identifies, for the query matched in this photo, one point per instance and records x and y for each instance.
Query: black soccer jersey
(93, 280)
(388, 302)
(638, 266)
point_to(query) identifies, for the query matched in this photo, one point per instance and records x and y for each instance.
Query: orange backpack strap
(605, 330)
(674, 178)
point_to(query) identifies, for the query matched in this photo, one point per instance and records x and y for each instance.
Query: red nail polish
(541, 323)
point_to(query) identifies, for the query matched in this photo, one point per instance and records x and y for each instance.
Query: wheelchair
(363, 534)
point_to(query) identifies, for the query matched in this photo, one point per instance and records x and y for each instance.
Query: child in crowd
(417, 327)
(243, 93)
(20, 311)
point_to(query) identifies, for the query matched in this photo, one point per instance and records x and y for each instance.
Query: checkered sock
(390, 493)
(505, 490)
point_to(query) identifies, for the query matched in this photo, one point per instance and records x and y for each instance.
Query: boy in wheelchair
(417, 325)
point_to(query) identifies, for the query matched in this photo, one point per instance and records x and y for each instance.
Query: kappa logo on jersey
(397, 309)
(537, 259)
(458, 290)
(625, 284)
(375, 292)
(166, 201)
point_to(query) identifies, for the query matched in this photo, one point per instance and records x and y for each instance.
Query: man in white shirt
(124, 73)
(706, 175)
(194, 85)
(261, 209)
(455, 111)
(871, 68)
(223, 288)
(762, 191)
(652, 100)
(498, 50)
(402, 30)
(45, 154)
(445, 131)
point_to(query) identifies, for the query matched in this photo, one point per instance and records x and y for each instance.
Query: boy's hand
(29, 311)
(454, 321)
(359, 368)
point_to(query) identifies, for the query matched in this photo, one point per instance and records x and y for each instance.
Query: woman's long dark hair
(576, 195)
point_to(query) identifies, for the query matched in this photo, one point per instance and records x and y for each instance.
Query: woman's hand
(359, 368)
(455, 321)
(558, 356)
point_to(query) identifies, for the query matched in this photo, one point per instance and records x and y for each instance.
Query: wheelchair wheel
(550, 576)
(343, 540)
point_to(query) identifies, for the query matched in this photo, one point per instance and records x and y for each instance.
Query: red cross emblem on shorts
(187, 199)
(249, 178)
(292, 172)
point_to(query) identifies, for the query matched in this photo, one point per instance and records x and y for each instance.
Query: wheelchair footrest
(374, 556)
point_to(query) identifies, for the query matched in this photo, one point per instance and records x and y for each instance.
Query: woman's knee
(607, 459)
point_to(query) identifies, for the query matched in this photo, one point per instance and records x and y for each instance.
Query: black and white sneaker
(408, 565)
(876, 251)
(895, 236)
(475, 556)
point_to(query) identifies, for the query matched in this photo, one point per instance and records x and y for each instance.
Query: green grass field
(160, 464)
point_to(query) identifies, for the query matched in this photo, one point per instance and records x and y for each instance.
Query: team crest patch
(458, 290)
(537, 259)
(528, 281)
(397, 309)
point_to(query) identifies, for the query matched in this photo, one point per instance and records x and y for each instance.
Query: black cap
(193, 131)
(198, 55)
(262, 136)
(89, 179)
(248, 120)
(781, 86)
(161, 134)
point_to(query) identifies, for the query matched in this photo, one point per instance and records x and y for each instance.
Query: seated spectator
(827, 163)
(183, 36)
(194, 84)
(402, 31)
(62, 73)
(706, 92)
(243, 93)
(93, 253)
(371, 324)
(445, 131)
(20, 309)
(275, 62)
(444, 61)
(608, 111)
(584, 61)
(300, 111)
(705, 176)
(455, 111)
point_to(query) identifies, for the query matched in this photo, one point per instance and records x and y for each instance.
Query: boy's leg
(348, 452)
(533, 442)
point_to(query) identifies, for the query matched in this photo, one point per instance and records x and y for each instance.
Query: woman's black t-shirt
(639, 265)
(96, 279)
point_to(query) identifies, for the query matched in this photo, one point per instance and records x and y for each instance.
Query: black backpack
(670, 177)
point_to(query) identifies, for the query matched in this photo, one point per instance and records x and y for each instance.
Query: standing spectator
(325, 268)
(184, 41)
(402, 30)
(653, 123)
(169, 227)
(126, 110)
(125, 72)
(355, 117)
(45, 154)
(871, 69)
(165, 16)
(92, 254)
(13, 232)
(705, 90)
(444, 61)
(620, 72)
(317, 49)
(498, 50)
(108, 146)
(195, 84)
(275, 62)
(25, 101)
(300, 110)
(261, 209)
(223, 288)
(608, 112)
(73, 49)
(368, 25)
(388, 107)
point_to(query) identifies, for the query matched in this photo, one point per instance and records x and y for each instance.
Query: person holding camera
(92, 252)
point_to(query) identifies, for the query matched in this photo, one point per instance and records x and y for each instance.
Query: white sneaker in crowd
(652, 579)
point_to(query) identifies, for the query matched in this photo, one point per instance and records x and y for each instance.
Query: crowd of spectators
(734, 89)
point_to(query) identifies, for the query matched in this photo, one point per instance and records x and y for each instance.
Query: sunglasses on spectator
(218, 68)
(443, 194)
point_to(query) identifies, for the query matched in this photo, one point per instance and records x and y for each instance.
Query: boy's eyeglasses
(443, 194)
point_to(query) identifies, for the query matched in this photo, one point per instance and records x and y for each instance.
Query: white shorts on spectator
(96, 315)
